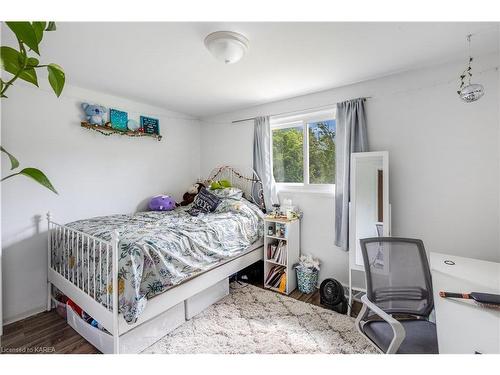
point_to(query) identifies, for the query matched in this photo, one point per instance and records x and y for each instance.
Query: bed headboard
(250, 184)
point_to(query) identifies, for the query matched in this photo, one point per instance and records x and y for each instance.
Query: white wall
(444, 160)
(94, 175)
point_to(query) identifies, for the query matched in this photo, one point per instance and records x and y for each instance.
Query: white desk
(463, 326)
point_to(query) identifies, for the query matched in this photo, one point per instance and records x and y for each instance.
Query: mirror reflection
(369, 203)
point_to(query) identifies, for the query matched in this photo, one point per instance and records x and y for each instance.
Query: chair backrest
(398, 278)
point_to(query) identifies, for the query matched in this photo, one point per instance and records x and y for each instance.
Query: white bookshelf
(291, 240)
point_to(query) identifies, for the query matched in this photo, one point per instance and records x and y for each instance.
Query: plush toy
(222, 184)
(161, 203)
(192, 192)
(94, 113)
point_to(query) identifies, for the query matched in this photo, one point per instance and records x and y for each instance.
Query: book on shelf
(275, 276)
(282, 286)
(277, 252)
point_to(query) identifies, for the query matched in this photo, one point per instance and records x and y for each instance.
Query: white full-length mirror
(369, 199)
(370, 209)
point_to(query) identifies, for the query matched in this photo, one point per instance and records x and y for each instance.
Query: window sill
(316, 191)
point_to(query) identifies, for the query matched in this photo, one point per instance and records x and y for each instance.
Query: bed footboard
(85, 268)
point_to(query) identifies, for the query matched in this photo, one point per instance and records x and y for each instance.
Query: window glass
(322, 152)
(288, 154)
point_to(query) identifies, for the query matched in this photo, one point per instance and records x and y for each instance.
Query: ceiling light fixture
(469, 92)
(227, 46)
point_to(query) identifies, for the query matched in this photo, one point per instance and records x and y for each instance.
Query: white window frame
(302, 119)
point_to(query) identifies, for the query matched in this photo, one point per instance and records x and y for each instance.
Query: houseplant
(18, 64)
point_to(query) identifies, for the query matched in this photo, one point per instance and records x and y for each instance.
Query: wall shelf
(108, 130)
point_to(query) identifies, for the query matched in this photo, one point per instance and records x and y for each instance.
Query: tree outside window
(304, 151)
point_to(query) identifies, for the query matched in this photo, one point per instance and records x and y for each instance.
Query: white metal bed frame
(83, 293)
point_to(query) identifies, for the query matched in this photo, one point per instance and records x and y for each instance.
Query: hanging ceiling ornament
(469, 92)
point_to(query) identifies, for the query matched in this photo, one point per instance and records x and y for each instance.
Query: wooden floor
(47, 332)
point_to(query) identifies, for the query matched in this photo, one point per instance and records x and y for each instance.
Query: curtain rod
(291, 112)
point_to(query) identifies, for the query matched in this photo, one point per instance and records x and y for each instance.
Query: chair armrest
(397, 327)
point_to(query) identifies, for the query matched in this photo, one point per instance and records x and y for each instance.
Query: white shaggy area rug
(254, 320)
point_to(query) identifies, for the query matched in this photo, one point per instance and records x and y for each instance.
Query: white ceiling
(166, 64)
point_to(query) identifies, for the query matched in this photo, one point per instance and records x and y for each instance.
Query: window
(288, 154)
(303, 150)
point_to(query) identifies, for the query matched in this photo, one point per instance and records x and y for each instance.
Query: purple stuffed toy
(161, 203)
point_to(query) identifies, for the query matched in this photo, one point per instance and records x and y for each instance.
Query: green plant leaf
(14, 163)
(25, 32)
(29, 75)
(38, 28)
(12, 62)
(56, 78)
(38, 176)
(10, 59)
(33, 61)
(51, 26)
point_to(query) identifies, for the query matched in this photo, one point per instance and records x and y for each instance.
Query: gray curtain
(262, 159)
(351, 136)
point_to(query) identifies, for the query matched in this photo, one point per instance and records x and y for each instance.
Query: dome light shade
(472, 92)
(227, 46)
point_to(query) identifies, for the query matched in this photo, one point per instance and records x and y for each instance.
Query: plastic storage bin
(100, 339)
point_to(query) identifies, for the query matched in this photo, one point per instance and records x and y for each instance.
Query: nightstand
(281, 253)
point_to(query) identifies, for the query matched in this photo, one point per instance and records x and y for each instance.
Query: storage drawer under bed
(200, 301)
(135, 340)
(103, 341)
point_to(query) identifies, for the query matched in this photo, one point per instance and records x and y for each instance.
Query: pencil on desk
(482, 298)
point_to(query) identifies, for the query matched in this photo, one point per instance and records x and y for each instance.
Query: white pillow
(228, 193)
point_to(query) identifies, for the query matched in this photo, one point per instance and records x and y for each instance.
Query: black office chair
(398, 282)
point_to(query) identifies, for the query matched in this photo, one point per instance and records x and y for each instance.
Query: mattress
(159, 250)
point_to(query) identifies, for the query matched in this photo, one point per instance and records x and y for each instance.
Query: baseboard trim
(24, 315)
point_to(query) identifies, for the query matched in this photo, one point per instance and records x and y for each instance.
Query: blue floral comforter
(159, 250)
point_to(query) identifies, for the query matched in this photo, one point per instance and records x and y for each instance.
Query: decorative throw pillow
(204, 202)
(229, 193)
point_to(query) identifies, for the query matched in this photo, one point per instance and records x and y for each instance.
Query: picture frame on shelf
(118, 119)
(150, 125)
